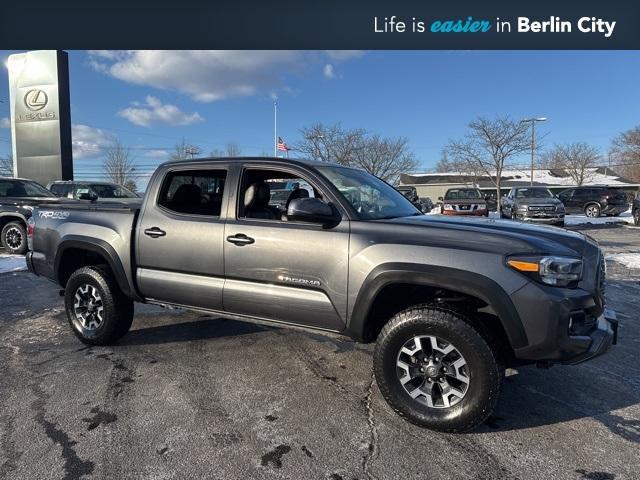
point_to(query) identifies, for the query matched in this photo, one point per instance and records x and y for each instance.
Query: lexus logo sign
(35, 100)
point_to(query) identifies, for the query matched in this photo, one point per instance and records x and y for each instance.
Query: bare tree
(383, 157)
(6, 165)
(489, 146)
(625, 151)
(183, 151)
(577, 159)
(232, 149)
(118, 166)
(386, 158)
(330, 143)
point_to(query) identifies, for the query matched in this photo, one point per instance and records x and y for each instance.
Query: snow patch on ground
(12, 263)
(629, 260)
(624, 217)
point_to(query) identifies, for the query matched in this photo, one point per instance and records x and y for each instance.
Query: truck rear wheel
(14, 238)
(436, 370)
(97, 310)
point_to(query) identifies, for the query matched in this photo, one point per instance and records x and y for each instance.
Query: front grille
(542, 208)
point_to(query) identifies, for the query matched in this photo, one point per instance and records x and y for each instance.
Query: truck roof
(294, 161)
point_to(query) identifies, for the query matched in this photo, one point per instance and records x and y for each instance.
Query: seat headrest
(187, 195)
(258, 193)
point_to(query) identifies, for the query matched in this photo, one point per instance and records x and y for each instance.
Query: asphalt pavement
(187, 395)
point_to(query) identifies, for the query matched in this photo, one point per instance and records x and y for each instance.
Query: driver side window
(265, 194)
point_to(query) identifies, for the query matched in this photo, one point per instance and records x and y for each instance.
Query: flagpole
(275, 127)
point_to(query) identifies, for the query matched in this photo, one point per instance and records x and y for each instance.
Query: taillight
(31, 226)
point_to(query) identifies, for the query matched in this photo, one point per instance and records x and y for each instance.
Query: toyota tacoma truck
(449, 302)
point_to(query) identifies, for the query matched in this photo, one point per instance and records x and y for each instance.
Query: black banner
(327, 24)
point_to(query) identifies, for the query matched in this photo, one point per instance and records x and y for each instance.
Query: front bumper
(547, 219)
(473, 213)
(563, 325)
(601, 339)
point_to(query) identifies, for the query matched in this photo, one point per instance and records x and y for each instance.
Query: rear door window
(194, 192)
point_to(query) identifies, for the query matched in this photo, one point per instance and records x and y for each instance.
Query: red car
(464, 201)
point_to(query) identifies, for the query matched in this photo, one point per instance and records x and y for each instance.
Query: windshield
(23, 188)
(458, 193)
(533, 193)
(111, 191)
(372, 198)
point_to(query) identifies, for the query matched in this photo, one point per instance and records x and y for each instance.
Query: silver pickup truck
(450, 302)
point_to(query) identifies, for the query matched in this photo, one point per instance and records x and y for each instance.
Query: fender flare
(17, 215)
(103, 249)
(462, 281)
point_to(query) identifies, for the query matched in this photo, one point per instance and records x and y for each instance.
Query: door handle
(240, 239)
(155, 232)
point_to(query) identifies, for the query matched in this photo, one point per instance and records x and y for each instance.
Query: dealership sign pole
(40, 115)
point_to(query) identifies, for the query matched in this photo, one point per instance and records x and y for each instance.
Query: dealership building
(434, 185)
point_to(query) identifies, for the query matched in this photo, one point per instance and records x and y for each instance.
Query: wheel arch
(437, 277)
(77, 251)
(7, 217)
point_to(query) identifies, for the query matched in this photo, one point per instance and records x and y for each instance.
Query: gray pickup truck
(451, 302)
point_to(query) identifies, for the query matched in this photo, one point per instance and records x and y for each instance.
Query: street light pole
(533, 138)
(275, 128)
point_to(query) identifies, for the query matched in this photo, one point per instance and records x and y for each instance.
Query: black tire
(14, 238)
(482, 369)
(117, 309)
(592, 210)
(636, 217)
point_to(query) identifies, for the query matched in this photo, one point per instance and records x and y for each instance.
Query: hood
(538, 201)
(488, 235)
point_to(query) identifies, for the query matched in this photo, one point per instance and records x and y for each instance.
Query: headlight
(557, 271)
(448, 206)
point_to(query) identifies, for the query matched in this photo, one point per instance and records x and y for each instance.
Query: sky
(150, 100)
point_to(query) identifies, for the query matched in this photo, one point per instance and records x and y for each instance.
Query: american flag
(281, 145)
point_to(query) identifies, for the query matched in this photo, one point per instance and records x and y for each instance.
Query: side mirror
(312, 210)
(440, 198)
(88, 196)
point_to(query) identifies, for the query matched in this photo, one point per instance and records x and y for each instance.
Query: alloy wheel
(592, 211)
(432, 371)
(88, 308)
(14, 238)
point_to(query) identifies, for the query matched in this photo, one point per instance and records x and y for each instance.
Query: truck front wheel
(436, 370)
(97, 310)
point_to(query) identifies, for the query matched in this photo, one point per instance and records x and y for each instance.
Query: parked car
(636, 210)
(595, 201)
(464, 201)
(411, 194)
(18, 197)
(103, 191)
(425, 204)
(451, 303)
(533, 204)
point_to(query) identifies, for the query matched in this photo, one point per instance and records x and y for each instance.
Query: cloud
(88, 141)
(153, 112)
(157, 153)
(343, 55)
(207, 76)
(328, 71)
(5, 122)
